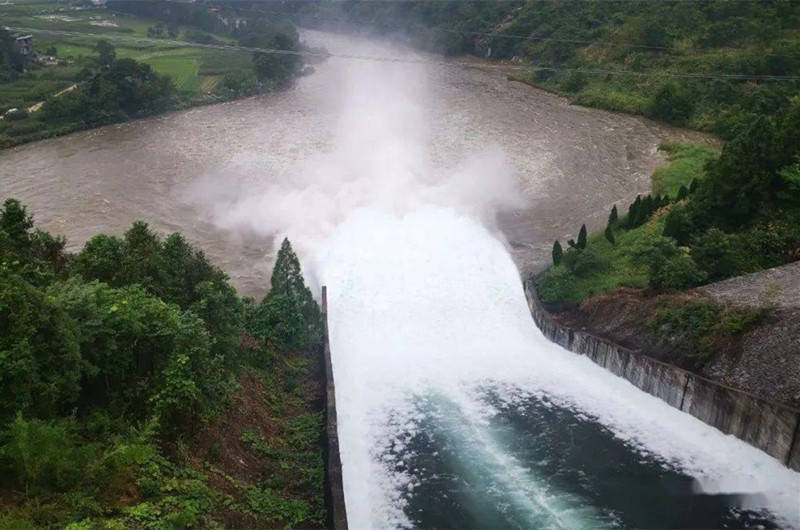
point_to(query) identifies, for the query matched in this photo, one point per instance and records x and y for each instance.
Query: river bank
(765, 423)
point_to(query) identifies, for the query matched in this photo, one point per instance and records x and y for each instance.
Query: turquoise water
(535, 464)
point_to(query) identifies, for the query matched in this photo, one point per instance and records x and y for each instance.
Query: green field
(194, 71)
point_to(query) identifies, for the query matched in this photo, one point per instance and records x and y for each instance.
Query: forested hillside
(136, 383)
(575, 46)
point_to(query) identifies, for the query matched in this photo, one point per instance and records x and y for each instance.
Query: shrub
(44, 456)
(574, 82)
(24, 128)
(41, 361)
(669, 267)
(679, 224)
(707, 326)
(717, 254)
(556, 284)
(583, 262)
(17, 115)
(672, 104)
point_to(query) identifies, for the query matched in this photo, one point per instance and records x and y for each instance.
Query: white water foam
(430, 301)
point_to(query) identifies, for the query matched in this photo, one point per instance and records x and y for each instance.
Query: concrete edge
(334, 490)
(751, 418)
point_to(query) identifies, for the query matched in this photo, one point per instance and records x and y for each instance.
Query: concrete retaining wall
(766, 425)
(334, 491)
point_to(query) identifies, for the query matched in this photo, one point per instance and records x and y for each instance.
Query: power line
(533, 38)
(480, 33)
(411, 60)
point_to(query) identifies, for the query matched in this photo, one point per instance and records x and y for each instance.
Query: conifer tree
(649, 207)
(683, 192)
(633, 212)
(582, 238)
(693, 186)
(287, 277)
(558, 252)
(289, 316)
(609, 233)
(613, 216)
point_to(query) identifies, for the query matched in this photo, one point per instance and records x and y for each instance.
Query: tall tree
(288, 316)
(558, 252)
(105, 52)
(582, 238)
(613, 216)
(609, 233)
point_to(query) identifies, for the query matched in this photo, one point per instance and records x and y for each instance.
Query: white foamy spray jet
(425, 299)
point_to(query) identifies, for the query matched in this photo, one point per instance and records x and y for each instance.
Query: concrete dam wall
(766, 425)
(334, 490)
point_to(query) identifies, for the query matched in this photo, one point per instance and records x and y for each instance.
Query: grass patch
(687, 162)
(609, 98)
(181, 68)
(616, 266)
(707, 327)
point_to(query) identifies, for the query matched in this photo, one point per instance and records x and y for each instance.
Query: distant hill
(654, 42)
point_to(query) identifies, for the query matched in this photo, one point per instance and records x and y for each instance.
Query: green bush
(556, 285)
(707, 326)
(574, 82)
(672, 104)
(719, 254)
(669, 267)
(17, 115)
(583, 262)
(679, 224)
(39, 350)
(44, 456)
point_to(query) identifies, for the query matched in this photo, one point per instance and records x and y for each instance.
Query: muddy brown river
(571, 163)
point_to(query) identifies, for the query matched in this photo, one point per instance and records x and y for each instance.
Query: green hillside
(575, 46)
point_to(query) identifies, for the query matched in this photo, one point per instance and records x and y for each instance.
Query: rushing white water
(430, 302)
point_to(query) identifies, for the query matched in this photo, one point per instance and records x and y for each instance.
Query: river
(418, 193)
(572, 163)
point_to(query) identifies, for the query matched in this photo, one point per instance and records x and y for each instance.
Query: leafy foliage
(122, 89)
(557, 253)
(113, 359)
(706, 325)
(739, 214)
(288, 317)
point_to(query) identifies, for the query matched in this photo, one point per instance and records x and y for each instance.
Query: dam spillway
(455, 411)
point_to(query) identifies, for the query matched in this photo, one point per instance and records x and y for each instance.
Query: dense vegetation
(739, 214)
(573, 44)
(118, 361)
(81, 87)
